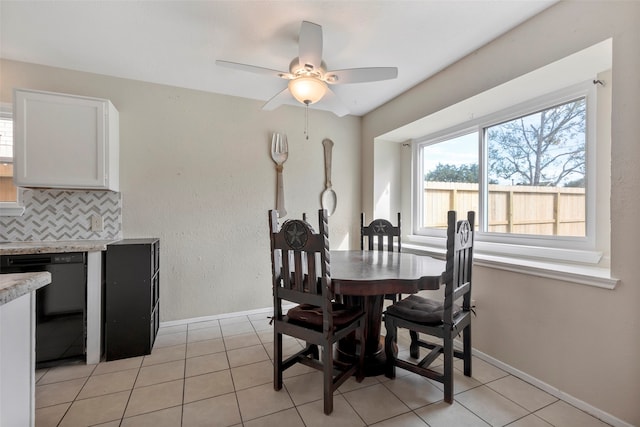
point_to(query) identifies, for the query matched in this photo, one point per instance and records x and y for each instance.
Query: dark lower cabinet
(132, 297)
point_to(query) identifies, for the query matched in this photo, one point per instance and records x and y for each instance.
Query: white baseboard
(216, 317)
(584, 406)
(268, 311)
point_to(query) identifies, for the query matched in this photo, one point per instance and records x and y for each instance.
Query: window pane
(450, 178)
(536, 172)
(8, 192)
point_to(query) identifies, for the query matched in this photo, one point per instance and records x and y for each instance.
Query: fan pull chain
(306, 120)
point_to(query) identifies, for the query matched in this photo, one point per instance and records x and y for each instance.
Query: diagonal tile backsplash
(64, 215)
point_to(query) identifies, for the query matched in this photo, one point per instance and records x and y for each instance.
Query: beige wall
(195, 171)
(584, 341)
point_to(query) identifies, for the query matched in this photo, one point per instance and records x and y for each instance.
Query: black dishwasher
(60, 306)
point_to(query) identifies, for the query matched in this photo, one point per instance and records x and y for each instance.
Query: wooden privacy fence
(519, 209)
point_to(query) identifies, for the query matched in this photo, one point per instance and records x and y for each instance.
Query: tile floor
(219, 373)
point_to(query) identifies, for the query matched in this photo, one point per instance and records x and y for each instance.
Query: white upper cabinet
(65, 141)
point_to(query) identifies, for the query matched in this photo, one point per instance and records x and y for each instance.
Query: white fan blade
(334, 103)
(310, 45)
(254, 69)
(279, 99)
(361, 75)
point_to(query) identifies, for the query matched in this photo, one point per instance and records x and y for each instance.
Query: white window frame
(11, 208)
(557, 248)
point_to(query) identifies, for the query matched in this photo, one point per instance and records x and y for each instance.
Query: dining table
(363, 278)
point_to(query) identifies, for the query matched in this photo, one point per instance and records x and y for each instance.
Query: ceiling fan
(308, 76)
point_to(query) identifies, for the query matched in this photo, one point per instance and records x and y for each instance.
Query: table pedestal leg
(374, 358)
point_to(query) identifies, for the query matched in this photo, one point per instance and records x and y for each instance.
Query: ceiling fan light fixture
(307, 89)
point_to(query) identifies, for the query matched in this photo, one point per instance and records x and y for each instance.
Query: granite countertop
(20, 248)
(13, 286)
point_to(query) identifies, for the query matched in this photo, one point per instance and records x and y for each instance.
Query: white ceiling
(177, 42)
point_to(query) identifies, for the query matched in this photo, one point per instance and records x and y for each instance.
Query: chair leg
(277, 361)
(466, 342)
(327, 362)
(390, 347)
(448, 367)
(414, 348)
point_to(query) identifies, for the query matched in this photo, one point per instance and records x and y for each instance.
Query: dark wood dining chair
(444, 320)
(301, 274)
(381, 235)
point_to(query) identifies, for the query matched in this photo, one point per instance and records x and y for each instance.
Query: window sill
(590, 275)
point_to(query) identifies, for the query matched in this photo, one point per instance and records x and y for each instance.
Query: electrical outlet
(96, 222)
(473, 303)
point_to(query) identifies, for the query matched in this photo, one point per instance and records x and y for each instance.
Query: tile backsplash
(64, 215)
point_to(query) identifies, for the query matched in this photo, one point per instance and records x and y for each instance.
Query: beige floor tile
(461, 383)
(160, 373)
(305, 388)
(286, 418)
(289, 346)
(442, 414)
(98, 385)
(481, 371)
(207, 385)
(170, 417)
(252, 375)
(343, 414)
(213, 372)
(415, 391)
(59, 392)
(223, 409)
(199, 348)
(262, 400)
(165, 354)
(115, 423)
(118, 365)
(491, 406)
(51, 415)
(155, 397)
(169, 340)
(39, 374)
(565, 415)
(375, 403)
(524, 394)
(266, 336)
(530, 421)
(233, 319)
(404, 420)
(262, 323)
(351, 384)
(164, 330)
(244, 356)
(65, 373)
(204, 324)
(236, 328)
(204, 364)
(96, 410)
(241, 340)
(204, 334)
(297, 369)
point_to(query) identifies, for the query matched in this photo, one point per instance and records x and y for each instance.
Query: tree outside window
(535, 169)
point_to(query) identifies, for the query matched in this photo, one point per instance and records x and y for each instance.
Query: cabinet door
(17, 351)
(64, 141)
